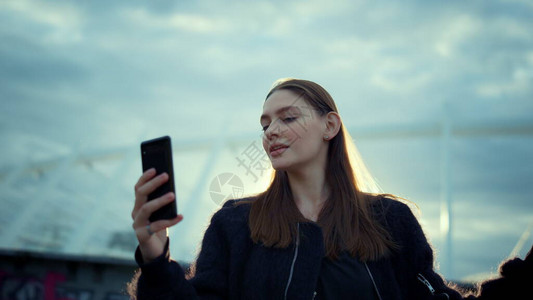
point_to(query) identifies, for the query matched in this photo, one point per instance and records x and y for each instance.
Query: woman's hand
(151, 236)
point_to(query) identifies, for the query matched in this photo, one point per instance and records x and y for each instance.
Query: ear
(333, 125)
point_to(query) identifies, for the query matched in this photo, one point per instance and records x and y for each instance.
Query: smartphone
(157, 153)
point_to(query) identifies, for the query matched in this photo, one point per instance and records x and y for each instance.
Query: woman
(313, 234)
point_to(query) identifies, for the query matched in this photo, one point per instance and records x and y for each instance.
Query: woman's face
(293, 132)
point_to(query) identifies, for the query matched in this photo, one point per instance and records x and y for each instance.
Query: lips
(277, 149)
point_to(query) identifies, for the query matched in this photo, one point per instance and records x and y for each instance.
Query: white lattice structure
(80, 203)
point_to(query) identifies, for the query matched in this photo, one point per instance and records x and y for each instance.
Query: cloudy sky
(88, 76)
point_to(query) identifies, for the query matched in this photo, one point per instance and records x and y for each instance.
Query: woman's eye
(289, 119)
(284, 120)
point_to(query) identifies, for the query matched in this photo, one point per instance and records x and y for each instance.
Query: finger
(147, 175)
(142, 192)
(143, 213)
(158, 228)
(164, 224)
(151, 185)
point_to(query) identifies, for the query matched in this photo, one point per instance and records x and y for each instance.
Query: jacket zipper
(423, 279)
(293, 259)
(373, 282)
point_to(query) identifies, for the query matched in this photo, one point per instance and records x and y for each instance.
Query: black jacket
(231, 266)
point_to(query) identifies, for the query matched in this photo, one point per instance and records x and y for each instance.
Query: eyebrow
(277, 112)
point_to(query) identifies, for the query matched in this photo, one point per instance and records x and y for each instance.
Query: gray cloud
(80, 76)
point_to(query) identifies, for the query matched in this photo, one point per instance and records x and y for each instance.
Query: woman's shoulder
(394, 212)
(234, 210)
(245, 202)
(396, 216)
(387, 204)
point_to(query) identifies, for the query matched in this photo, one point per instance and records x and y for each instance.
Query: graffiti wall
(48, 288)
(42, 279)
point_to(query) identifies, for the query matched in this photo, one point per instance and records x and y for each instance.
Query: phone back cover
(157, 153)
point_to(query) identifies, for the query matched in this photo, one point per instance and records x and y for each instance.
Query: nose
(273, 130)
(267, 134)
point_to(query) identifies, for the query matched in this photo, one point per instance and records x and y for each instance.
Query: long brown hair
(346, 218)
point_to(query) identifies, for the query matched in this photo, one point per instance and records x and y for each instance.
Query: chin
(283, 166)
(279, 165)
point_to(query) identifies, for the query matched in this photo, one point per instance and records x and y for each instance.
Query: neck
(309, 191)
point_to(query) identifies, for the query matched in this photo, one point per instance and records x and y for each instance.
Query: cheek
(297, 132)
(309, 141)
(305, 134)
